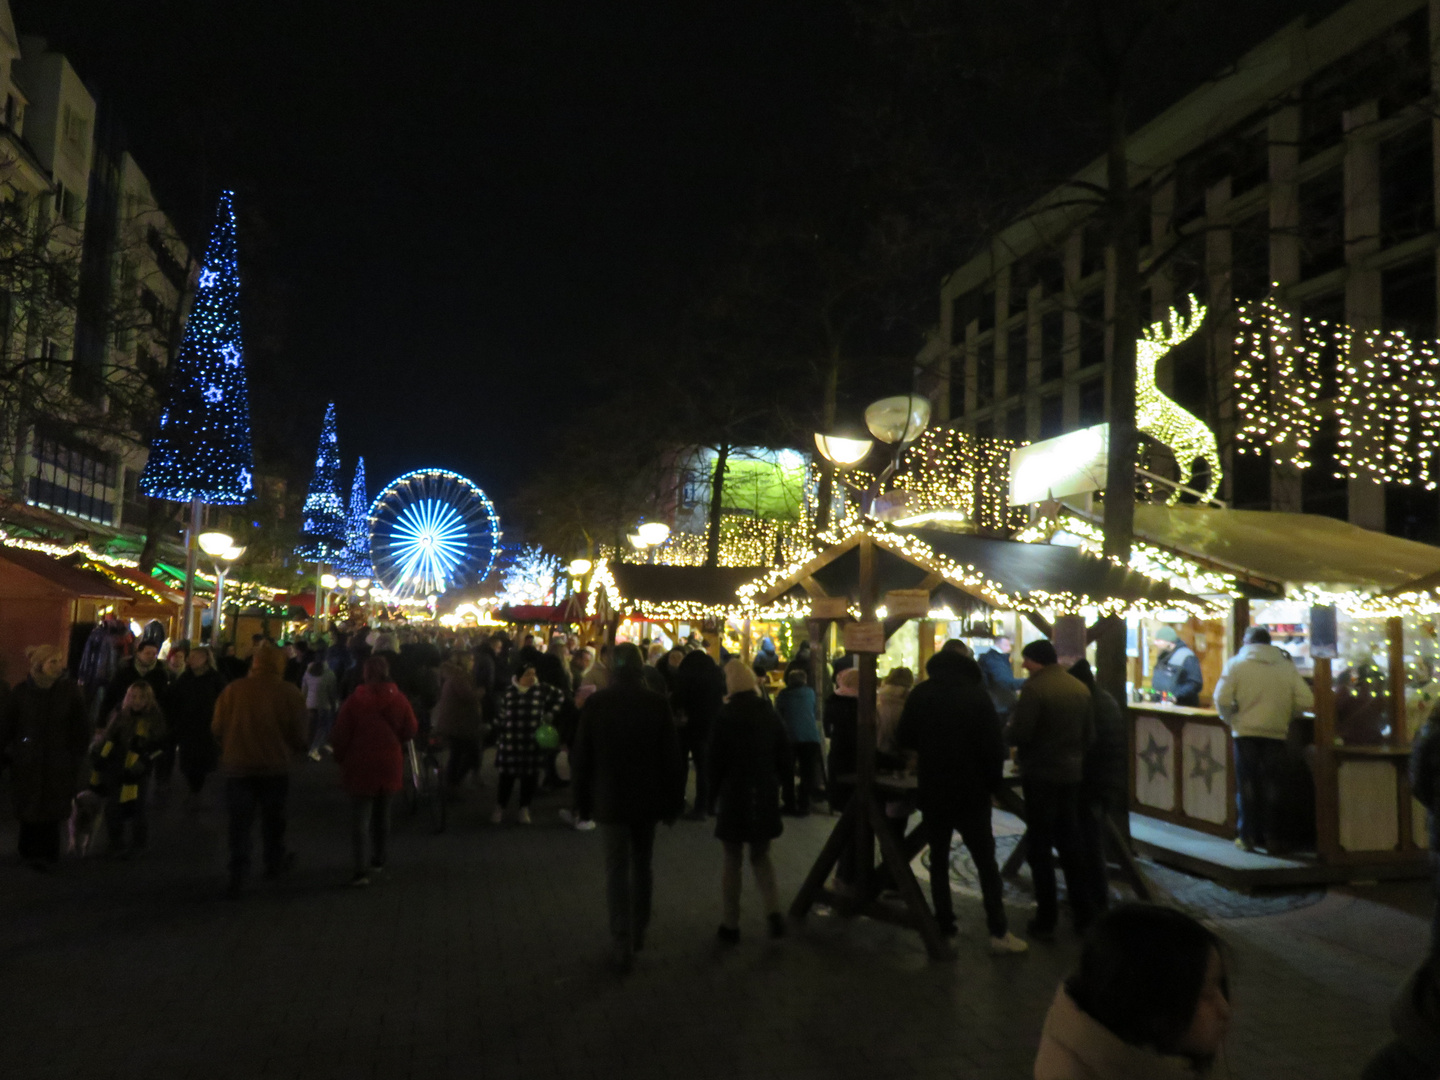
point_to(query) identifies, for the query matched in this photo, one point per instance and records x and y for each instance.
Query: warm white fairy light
(1187, 436)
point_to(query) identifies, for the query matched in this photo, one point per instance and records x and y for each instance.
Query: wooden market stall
(1319, 585)
(912, 572)
(42, 598)
(700, 598)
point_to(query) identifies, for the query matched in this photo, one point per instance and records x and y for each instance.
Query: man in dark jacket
(1051, 728)
(145, 664)
(1177, 671)
(950, 722)
(627, 774)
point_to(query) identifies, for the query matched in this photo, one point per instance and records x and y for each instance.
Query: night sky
(454, 218)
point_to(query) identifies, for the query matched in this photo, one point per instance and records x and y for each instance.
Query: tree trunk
(717, 499)
(159, 515)
(825, 495)
(1119, 520)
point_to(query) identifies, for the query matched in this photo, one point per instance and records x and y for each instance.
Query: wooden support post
(747, 650)
(1327, 796)
(1395, 632)
(865, 730)
(927, 645)
(1240, 622)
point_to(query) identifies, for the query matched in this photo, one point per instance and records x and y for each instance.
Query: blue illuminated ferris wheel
(432, 530)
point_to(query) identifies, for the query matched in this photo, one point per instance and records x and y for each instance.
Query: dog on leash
(86, 817)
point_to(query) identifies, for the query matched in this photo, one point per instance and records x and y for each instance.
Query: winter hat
(1040, 652)
(847, 683)
(1167, 633)
(37, 655)
(739, 679)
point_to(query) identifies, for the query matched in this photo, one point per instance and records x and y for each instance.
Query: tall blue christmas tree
(355, 559)
(202, 448)
(322, 523)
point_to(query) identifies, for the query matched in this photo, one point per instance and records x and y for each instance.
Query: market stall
(679, 601)
(1336, 598)
(42, 598)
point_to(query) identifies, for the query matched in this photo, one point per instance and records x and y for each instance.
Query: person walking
(749, 754)
(459, 719)
(949, 723)
(190, 709)
(628, 777)
(368, 738)
(696, 697)
(44, 731)
(1104, 783)
(126, 752)
(322, 698)
(144, 664)
(1259, 692)
(1051, 728)
(260, 721)
(526, 705)
(796, 705)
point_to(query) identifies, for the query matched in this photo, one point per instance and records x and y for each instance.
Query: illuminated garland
(1385, 403)
(948, 470)
(1153, 562)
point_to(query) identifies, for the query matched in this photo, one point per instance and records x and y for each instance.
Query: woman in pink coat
(368, 739)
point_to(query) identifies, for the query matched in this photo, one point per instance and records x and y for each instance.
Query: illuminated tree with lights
(532, 578)
(322, 526)
(355, 559)
(201, 452)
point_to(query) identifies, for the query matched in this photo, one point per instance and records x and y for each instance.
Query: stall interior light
(927, 516)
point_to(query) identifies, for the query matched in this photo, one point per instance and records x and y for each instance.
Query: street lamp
(654, 533)
(579, 567)
(223, 550)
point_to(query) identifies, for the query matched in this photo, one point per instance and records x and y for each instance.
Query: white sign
(1068, 464)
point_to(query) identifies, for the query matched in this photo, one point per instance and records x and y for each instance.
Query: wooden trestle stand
(863, 821)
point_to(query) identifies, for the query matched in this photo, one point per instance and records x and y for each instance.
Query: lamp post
(223, 550)
(649, 535)
(322, 607)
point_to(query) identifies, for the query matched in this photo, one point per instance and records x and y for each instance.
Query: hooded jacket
(1076, 1046)
(1052, 726)
(1260, 691)
(373, 724)
(261, 718)
(950, 721)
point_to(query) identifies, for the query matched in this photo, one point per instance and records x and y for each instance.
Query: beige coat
(1260, 691)
(1073, 1046)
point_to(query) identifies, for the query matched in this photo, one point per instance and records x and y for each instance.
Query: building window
(1407, 297)
(1022, 276)
(1407, 196)
(1015, 359)
(985, 429)
(1092, 328)
(985, 373)
(1250, 258)
(987, 311)
(1052, 345)
(1052, 415)
(73, 478)
(1092, 249)
(1321, 492)
(1249, 161)
(1322, 223)
(1092, 401)
(1331, 308)
(1015, 426)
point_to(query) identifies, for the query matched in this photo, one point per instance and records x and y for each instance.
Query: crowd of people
(635, 723)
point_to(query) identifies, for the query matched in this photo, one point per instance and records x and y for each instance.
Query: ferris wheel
(432, 530)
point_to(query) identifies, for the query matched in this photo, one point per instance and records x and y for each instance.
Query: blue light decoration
(533, 577)
(432, 531)
(202, 449)
(322, 523)
(354, 561)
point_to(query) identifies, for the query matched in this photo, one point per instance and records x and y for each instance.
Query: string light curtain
(202, 448)
(1384, 401)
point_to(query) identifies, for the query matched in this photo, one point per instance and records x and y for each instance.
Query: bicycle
(426, 783)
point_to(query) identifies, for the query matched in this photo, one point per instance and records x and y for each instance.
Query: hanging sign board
(907, 604)
(1068, 464)
(829, 607)
(865, 637)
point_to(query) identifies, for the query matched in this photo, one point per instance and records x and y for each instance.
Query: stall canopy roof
(1283, 547)
(1029, 573)
(712, 586)
(71, 579)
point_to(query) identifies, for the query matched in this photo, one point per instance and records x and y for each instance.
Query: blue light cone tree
(322, 524)
(202, 450)
(354, 561)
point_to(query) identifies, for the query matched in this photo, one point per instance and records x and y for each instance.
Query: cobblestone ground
(482, 954)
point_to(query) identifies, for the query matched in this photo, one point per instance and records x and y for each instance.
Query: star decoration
(231, 355)
(208, 277)
(244, 479)
(1155, 756)
(1204, 765)
(213, 394)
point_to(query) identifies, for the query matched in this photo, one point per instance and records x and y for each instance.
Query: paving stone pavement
(482, 954)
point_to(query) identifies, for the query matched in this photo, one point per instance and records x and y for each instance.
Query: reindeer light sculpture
(1164, 421)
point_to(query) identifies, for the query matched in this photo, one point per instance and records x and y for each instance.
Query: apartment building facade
(75, 449)
(1306, 174)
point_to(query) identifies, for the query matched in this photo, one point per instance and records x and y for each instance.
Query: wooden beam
(812, 587)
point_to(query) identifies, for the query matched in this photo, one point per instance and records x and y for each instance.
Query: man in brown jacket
(260, 722)
(1051, 727)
